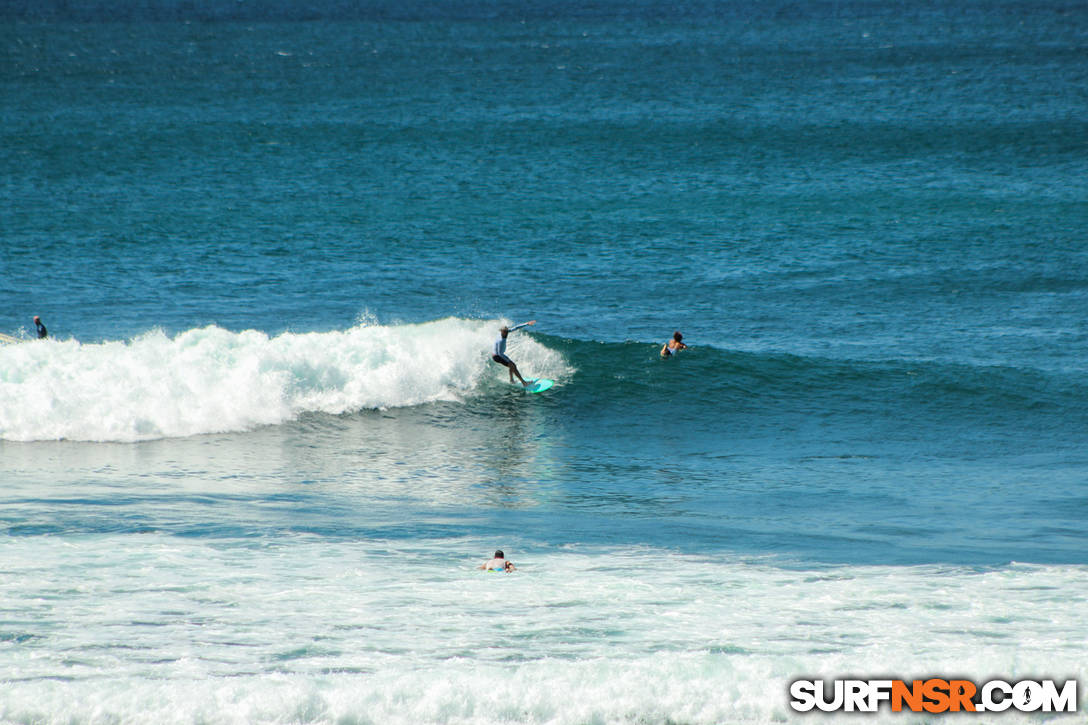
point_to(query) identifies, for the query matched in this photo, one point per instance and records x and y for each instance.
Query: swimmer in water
(674, 345)
(499, 562)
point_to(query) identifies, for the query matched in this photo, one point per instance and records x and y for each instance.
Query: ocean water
(249, 476)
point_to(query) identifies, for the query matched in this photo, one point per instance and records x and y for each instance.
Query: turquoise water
(249, 476)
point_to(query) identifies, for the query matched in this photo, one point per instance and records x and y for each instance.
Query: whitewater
(307, 629)
(211, 380)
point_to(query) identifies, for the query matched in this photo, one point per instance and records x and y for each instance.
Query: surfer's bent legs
(510, 367)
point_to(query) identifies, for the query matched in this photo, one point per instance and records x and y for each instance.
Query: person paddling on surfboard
(498, 563)
(499, 351)
(674, 345)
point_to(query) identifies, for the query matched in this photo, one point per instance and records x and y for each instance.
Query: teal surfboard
(539, 385)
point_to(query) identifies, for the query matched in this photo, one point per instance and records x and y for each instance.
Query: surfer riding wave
(499, 351)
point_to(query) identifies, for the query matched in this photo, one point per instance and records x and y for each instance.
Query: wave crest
(211, 380)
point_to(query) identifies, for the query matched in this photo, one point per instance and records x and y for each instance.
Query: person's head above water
(677, 336)
(499, 554)
(504, 330)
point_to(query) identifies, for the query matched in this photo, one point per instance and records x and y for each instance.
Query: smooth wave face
(826, 406)
(211, 380)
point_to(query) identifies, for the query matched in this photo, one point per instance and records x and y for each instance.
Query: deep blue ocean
(249, 475)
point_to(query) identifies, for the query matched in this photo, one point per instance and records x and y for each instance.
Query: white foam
(211, 380)
(158, 629)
